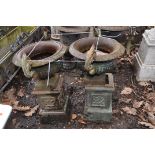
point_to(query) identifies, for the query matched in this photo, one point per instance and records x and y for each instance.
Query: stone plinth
(98, 105)
(52, 99)
(145, 58)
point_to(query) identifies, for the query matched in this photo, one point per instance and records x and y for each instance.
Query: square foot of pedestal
(50, 112)
(98, 114)
(143, 72)
(42, 88)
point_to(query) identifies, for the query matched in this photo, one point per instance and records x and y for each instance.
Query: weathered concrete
(98, 106)
(145, 58)
(52, 99)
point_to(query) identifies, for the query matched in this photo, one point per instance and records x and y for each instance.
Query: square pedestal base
(98, 104)
(98, 114)
(50, 112)
(52, 99)
(143, 72)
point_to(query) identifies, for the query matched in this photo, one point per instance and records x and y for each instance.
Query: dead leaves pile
(126, 91)
(144, 110)
(21, 92)
(32, 111)
(131, 111)
(129, 59)
(10, 98)
(80, 119)
(137, 104)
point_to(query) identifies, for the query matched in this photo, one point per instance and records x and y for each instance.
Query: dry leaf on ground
(9, 95)
(125, 100)
(147, 124)
(151, 96)
(126, 91)
(15, 103)
(144, 83)
(74, 116)
(82, 121)
(151, 118)
(32, 111)
(150, 89)
(141, 116)
(6, 101)
(138, 104)
(21, 92)
(21, 108)
(115, 111)
(131, 111)
(149, 108)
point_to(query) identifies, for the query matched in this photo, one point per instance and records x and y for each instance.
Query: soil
(123, 77)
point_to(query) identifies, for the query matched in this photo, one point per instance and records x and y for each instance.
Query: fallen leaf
(14, 111)
(115, 111)
(126, 91)
(151, 118)
(21, 108)
(129, 110)
(149, 108)
(15, 103)
(150, 89)
(151, 96)
(74, 116)
(21, 92)
(121, 113)
(144, 83)
(138, 104)
(32, 111)
(122, 59)
(147, 124)
(75, 78)
(124, 100)
(6, 101)
(82, 121)
(141, 116)
(10, 95)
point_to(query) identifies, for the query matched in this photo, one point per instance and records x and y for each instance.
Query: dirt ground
(123, 77)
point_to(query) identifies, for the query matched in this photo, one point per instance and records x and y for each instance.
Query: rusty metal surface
(41, 85)
(7, 69)
(69, 34)
(56, 49)
(108, 49)
(73, 28)
(105, 81)
(114, 28)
